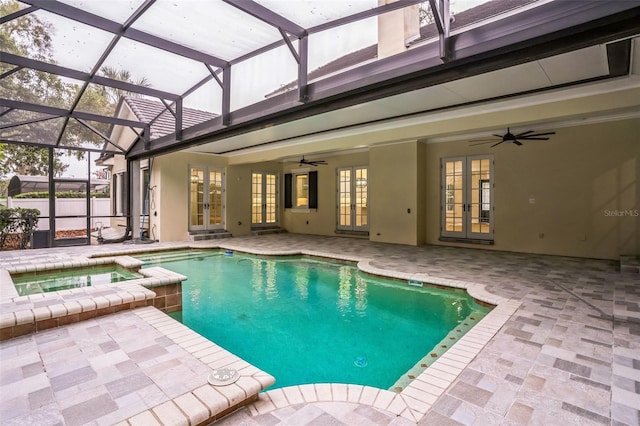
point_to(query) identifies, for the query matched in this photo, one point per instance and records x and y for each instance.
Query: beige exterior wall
(171, 174)
(239, 194)
(576, 194)
(393, 187)
(321, 221)
(558, 196)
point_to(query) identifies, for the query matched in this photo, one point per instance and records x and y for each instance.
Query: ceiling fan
(312, 162)
(529, 135)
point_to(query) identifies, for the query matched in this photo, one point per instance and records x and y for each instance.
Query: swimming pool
(43, 282)
(304, 320)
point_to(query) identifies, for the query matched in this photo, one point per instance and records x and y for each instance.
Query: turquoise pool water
(43, 282)
(310, 321)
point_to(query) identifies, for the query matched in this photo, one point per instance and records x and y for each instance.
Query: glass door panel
(361, 198)
(256, 199)
(453, 202)
(196, 199)
(344, 199)
(270, 199)
(215, 198)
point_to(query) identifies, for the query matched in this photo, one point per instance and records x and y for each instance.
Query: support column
(135, 197)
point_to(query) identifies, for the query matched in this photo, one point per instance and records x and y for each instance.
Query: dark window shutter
(313, 190)
(287, 191)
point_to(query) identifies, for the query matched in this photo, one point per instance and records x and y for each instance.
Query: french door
(352, 199)
(467, 197)
(206, 198)
(264, 199)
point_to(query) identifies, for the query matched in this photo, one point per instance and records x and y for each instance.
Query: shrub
(18, 220)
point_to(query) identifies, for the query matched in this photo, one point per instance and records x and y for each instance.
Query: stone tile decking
(568, 355)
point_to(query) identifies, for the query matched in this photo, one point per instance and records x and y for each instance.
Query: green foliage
(30, 36)
(18, 221)
(66, 194)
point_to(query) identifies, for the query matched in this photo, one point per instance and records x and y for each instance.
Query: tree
(425, 13)
(114, 95)
(28, 36)
(31, 36)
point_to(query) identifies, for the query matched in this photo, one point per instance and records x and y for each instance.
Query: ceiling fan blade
(496, 144)
(534, 139)
(517, 142)
(524, 133)
(498, 136)
(542, 134)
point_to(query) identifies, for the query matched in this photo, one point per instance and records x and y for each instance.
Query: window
(301, 189)
(119, 195)
(467, 197)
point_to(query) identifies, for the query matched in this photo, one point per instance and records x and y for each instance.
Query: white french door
(467, 197)
(206, 198)
(352, 199)
(264, 199)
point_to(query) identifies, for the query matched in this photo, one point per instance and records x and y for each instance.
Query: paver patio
(569, 355)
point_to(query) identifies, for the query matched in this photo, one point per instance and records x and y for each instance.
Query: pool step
(178, 256)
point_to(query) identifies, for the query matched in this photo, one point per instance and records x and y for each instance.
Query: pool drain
(361, 361)
(223, 376)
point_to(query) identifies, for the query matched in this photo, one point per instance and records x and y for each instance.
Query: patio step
(208, 235)
(630, 263)
(267, 230)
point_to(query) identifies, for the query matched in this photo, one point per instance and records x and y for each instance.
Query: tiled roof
(469, 16)
(147, 109)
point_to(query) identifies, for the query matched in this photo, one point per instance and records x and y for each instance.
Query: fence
(65, 207)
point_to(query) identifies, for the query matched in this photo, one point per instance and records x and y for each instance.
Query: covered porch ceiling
(548, 94)
(545, 64)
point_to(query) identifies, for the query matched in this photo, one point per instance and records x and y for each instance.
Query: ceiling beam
(61, 112)
(113, 27)
(17, 14)
(400, 4)
(268, 16)
(21, 61)
(331, 24)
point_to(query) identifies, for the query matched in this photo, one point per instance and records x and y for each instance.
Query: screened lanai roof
(226, 56)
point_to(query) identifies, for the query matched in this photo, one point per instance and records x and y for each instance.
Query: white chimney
(397, 29)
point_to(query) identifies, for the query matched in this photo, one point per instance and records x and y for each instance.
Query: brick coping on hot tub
(21, 315)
